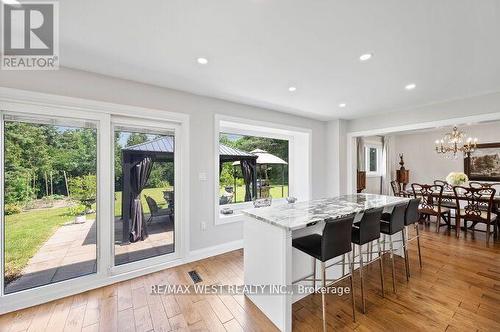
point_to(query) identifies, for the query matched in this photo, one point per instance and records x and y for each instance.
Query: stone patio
(160, 241)
(71, 252)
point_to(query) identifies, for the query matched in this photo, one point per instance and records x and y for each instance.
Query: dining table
(449, 194)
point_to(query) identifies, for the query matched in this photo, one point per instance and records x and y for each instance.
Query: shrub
(226, 177)
(16, 189)
(158, 184)
(77, 210)
(12, 209)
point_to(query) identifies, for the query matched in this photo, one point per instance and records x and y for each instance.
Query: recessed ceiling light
(292, 89)
(410, 86)
(202, 61)
(365, 57)
(342, 105)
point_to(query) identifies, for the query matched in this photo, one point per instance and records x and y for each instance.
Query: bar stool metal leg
(323, 300)
(343, 265)
(391, 247)
(405, 254)
(361, 277)
(351, 271)
(370, 255)
(314, 273)
(381, 264)
(418, 246)
(407, 234)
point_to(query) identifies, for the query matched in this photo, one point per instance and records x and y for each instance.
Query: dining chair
(395, 188)
(431, 203)
(477, 184)
(496, 203)
(448, 202)
(478, 206)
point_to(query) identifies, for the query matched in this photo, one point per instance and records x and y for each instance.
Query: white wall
(425, 164)
(74, 83)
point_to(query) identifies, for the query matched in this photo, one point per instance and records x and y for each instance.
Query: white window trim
(33, 103)
(377, 173)
(242, 126)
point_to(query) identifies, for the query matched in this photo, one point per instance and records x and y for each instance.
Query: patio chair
(155, 211)
(226, 197)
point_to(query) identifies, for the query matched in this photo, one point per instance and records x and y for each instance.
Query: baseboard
(198, 254)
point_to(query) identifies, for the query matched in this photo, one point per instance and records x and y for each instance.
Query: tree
(137, 138)
(84, 189)
(118, 160)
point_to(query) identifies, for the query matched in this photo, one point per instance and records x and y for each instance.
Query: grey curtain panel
(389, 164)
(246, 169)
(361, 153)
(138, 178)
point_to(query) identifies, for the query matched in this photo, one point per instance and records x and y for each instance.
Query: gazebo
(137, 162)
(264, 159)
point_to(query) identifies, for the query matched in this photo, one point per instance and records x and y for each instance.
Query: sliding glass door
(49, 200)
(144, 192)
(85, 199)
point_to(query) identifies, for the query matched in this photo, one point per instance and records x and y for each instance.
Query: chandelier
(453, 143)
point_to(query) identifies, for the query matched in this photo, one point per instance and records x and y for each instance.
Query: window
(50, 201)
(256, 159)
(373, 160)
(252, 167)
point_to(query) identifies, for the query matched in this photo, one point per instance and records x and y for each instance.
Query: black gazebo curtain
(247, 171)
(138, 178)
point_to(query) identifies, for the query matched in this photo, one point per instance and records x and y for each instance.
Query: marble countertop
(301, 214)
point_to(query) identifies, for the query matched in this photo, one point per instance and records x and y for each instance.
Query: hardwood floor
(457, 290)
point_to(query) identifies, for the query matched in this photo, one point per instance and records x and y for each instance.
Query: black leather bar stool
(391, 224)
(412, 216)
(363, 232)
(334, 242)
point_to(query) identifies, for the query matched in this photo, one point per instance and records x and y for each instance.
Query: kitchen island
(270, 260)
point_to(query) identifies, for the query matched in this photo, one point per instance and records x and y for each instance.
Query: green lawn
(155, 193)
(275, 192)
(26, 232)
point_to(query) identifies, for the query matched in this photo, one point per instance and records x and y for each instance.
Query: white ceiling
(258, 48)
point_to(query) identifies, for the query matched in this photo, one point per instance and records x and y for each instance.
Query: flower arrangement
(457, 178)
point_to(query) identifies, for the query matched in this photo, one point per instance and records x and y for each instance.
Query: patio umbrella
(265, 158)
